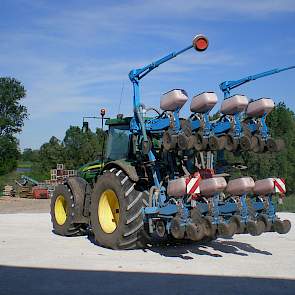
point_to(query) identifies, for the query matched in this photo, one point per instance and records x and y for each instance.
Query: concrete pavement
(27, 241)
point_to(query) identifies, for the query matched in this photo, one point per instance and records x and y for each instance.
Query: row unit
(236, 187)
(204, 102)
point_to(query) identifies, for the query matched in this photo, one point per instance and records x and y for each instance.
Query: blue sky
(74, 56)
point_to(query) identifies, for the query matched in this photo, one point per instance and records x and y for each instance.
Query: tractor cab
(118, 146)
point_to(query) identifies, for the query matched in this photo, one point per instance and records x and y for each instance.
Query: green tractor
(107, 195)
(149, 182)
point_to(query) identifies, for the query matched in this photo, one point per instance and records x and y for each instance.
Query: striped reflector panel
(193, 185)
(280, 185)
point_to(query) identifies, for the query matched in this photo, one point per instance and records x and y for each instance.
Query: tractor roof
(118, 121)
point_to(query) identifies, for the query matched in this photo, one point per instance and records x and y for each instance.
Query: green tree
(51, 153)
(8, 153)
(29, 155)
(81, 147)
(12, 116)
(76, 149)
(12, 113)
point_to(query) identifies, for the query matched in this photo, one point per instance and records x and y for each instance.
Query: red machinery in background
(40, 192)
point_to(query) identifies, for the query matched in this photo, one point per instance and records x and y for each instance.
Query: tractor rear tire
(62, 211)
(116, 212)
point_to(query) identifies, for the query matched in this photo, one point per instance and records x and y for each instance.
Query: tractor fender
(125, 166)
(79, 188)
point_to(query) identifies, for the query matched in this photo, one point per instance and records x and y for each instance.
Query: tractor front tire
(62, 211)
(116, 212)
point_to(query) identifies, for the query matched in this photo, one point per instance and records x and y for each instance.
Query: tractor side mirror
(200, 43)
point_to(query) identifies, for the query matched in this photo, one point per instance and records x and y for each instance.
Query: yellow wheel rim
(108, 211)
(60, 210)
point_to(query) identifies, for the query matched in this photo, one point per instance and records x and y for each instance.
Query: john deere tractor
(157, 178)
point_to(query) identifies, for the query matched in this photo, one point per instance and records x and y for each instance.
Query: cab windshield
(118, 142)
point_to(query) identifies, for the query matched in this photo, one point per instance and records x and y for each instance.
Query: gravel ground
(35, 261)
(22, 205)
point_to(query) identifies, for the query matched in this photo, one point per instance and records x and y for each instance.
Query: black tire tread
(69, 228)
(130, 234)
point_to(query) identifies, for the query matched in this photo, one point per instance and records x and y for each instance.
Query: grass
(288, 204)
(24, 165)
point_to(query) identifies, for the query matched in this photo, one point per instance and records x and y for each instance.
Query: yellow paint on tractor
(108, 211)
(93, 167)
(60, 210)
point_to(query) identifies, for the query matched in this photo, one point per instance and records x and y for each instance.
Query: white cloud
(69, 85)
(53, 52)
(95, 23)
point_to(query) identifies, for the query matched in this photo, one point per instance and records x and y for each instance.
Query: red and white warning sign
(280, 185)
(193, 184)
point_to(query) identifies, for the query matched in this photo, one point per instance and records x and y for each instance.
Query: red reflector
(200, 43)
